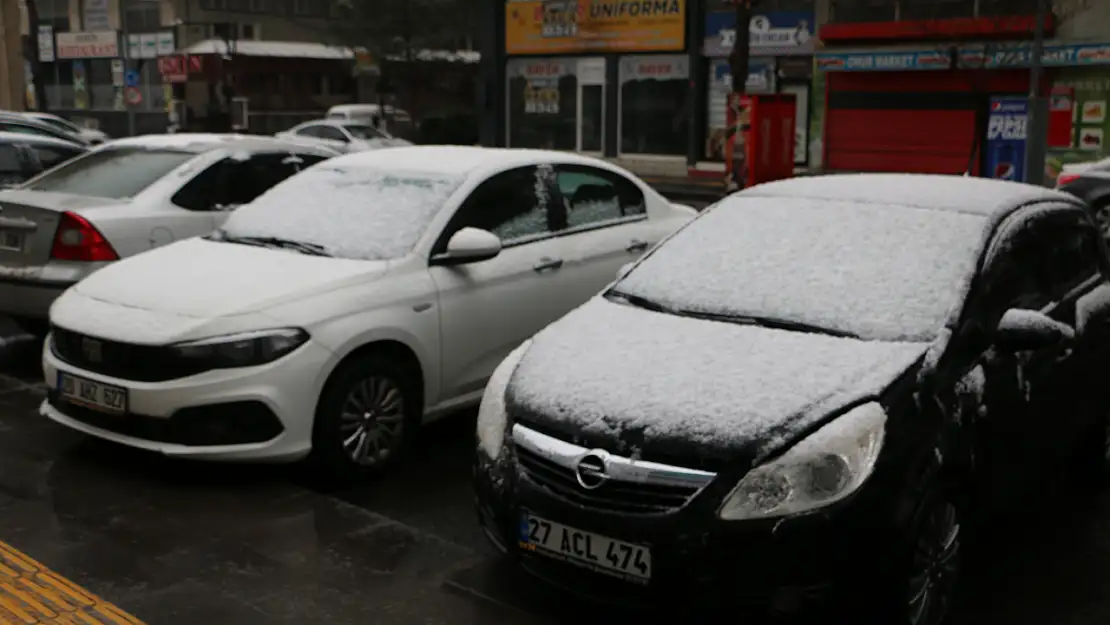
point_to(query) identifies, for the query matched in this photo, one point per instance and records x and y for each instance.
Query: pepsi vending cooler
(1006, 136)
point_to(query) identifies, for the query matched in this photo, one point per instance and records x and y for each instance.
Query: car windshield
(874, 271)
(361, 131)
(347, 211)
(115, 173)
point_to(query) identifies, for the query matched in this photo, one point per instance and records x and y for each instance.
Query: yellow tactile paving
(30, 594)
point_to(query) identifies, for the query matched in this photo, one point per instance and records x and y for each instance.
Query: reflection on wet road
(173, 542)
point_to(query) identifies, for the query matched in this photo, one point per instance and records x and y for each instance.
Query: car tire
(922, 586)
(1093, 459)
(366, 418)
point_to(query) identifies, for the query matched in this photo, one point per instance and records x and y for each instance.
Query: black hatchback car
(799, 399)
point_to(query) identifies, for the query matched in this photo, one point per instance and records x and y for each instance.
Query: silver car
(124, 198)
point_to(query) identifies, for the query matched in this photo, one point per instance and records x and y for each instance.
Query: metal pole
(1036, 148)
(126, 54)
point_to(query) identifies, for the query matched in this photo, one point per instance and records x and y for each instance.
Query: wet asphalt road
(183, 543)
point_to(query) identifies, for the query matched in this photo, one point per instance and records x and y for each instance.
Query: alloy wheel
(372, 420)
(932, 589)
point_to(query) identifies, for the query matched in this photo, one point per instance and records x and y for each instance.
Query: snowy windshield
(114, 173)
(361, 131)
(351, 212)
(870, 270)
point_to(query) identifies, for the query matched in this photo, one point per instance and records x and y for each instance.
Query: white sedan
(345, 306)
(344, 136)
(123, 198)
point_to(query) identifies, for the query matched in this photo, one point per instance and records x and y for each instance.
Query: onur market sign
(88, 45)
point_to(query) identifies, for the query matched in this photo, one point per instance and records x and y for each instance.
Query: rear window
(360, 131)
(113, 173)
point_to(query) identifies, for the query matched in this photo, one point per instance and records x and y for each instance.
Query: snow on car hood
(208, 279)
(638, 381)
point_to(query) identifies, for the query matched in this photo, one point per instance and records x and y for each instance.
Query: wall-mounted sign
(973, 57)
(654, 68)
(89, 45)
(776, 33)
(542, 96)
(97, 15)
(1007, 129)
(562, 26)
(46, 43)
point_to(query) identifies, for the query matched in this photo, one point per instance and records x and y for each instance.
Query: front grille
(124, 361)
(232, 423)
(613, 496)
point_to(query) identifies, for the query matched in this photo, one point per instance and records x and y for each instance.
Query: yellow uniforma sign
(571, 26)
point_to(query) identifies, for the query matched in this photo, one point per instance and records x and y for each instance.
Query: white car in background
(91, 135)
(123, 198)
(345, 306)
(343, 136)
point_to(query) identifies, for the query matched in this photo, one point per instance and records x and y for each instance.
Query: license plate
(602, 554)
(93, 395)
(11, 240)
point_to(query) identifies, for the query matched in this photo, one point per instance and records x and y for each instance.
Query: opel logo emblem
(92, 350)
(591, 470)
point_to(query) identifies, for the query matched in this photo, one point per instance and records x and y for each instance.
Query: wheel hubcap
(935, 564)
(372, 420)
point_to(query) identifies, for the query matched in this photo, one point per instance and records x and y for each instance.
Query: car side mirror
(1093, 307)
(470, 245)
(1026, 330)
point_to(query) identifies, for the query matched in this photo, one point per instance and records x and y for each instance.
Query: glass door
(591, 117)
(591, 106)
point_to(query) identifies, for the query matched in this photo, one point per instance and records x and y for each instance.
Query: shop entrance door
(591, 106)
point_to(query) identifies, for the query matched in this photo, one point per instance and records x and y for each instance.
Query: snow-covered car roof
(982, 196)
(456, 160)
(203, 142)
(19, 137)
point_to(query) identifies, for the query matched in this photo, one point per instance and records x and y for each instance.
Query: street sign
(117, 72)
(133, 95)
(132, 78)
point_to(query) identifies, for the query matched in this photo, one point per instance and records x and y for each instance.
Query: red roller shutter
(907, 121)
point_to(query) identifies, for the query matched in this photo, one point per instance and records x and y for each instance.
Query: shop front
(1087, 91)
(927, 109)
(609, 78)
(781, 61)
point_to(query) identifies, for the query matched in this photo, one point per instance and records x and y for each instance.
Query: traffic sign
(131, 79)
(133, 95)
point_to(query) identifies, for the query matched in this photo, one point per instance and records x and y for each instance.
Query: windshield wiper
(766, 322)
(640, 302)
(312, 249)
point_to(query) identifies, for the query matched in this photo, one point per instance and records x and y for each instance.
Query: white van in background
(396, 122)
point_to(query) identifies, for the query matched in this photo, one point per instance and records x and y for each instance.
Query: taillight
(77, 239)
(1064, 179)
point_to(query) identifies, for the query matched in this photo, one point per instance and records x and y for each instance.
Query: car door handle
(547, 264)
(636, 246)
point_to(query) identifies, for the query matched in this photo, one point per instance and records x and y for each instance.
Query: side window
(11, 167)
(1074, 253)
(53, 156)
(24, 130)
(513, 205)
(310, 131)
(334, 134)
(595, 196)
(234, 182)
(1013, 277)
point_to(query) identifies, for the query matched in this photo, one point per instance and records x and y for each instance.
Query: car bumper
(30, 300)
(826, 562)
(252, 414)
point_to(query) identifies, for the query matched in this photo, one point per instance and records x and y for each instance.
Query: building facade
(641, 83)
(98, 59)
(913, 85)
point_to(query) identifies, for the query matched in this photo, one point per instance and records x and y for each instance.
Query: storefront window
(543, 103)
(655, 101)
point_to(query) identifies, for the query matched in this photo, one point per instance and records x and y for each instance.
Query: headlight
(491, 415)
(822, 469)
(240, 350)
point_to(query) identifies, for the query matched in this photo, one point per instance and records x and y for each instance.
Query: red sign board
(178, 68)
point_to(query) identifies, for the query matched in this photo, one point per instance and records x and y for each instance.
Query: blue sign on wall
(775, 33)
(131, 79)
(1006, 133)
(970, 57)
